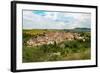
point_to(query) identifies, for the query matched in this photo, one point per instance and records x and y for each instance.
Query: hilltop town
(52, 37)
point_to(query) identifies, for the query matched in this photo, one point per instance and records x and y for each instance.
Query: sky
(40, 19)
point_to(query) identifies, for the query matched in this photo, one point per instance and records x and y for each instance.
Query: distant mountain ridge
(82, 29)
(79, 30)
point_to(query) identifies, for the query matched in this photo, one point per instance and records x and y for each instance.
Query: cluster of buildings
(51, 37)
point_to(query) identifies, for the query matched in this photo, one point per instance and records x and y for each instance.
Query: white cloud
(55, 20)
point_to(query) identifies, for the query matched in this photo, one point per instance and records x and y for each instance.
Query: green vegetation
(66, 50)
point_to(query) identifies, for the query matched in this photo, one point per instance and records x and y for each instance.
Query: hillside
(55, 45)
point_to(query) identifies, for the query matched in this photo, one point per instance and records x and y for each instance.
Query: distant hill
(82, 29)
(78, 30)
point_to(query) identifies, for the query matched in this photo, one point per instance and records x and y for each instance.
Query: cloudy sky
(39, 19)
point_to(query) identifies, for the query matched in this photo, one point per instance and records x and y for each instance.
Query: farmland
(40, 45)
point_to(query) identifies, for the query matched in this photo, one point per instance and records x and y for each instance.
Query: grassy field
(66, 50)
